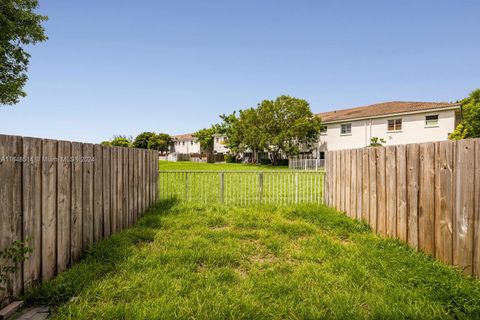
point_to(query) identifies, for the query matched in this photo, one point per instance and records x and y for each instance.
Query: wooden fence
(60, 197)
(427, 195)
(243, 187)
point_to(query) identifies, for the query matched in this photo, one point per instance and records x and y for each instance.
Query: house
(397, 122)
(219, 143)
(188, 144)
(185, 144)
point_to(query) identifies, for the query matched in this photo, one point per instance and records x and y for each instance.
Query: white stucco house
(188, 144)
(185, 144)
(397, 122)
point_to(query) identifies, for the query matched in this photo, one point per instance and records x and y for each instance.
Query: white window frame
(427, 125)
(324, 130)
(346, 133)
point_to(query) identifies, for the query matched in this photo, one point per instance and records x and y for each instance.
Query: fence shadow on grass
(100, 260)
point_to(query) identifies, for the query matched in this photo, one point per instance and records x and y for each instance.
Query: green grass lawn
(186, 165)
(218, 262)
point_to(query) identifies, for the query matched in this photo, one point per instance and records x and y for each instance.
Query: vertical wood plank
(113, 189)
(359, 183)
(135, 184)
(426, 209)
(353, 183)
(76, 220)
(97, 193)
(338, 179)
(49, 208)
(391, 190)
(412, 193)
(381, 192)
(464, 206)
(476, 244)
(106, 182)
(365, 185)
(32, 210)
(130, 186)
(64, 205)
(11, 202)
(372, 156)
(347, 180)
(126, 218)
(87, 196)
(119, 189)
(402, 213)
(444, 201)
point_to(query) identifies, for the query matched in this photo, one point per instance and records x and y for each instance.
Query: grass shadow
(99, 260)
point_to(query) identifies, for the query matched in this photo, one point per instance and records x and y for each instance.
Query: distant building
(185, 144)
(397, 122)
(219, 141)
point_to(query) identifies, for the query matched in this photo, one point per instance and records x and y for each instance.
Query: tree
(376, 142)
(160, 142)
(141, 141)
(287, 125)
(121, 141)
(205, 138)
(469, 127)
(19, 26)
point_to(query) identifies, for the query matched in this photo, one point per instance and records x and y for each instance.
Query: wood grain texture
(49, 208)
(64, 204)
(347, 181)
(391, 190)
(426, 208)
(76, 220)
(444, 201)
(464, 205)
(381, 193)
(113, 189)
(32, 210)
(365, 185)
(412, 193)
(97, 193)
(359, 183)
(119, 189)
(401, 187)
(106, 194)
(476, 243)
(372, 157)
(87, 196)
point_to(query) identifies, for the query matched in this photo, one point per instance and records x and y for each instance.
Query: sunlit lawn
(191, 261)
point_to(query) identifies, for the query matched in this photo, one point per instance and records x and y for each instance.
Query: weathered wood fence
(427, 195)
(61, 197)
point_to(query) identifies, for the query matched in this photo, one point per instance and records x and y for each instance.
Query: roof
(186, 136)
(384, 109)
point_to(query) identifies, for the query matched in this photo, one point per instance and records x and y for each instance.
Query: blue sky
(123, 67)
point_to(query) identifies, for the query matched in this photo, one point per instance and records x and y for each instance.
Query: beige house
(397, 122)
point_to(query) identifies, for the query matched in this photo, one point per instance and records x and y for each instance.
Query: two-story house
(185, 144)
(397, 122)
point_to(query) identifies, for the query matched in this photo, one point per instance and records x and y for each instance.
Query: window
(216, 140)
(346, 128)
(395, 125)
(323, 130)
(191, 142)
(431, 120)
(183, 143)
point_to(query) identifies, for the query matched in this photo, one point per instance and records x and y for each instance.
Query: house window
(346, 128)
(191, 142)
(323, 130)
(183, 143)
(216, 140)
(395, 125)
(431, 120)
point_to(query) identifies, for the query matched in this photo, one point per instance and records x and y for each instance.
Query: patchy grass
(215, 262)
(186, 165)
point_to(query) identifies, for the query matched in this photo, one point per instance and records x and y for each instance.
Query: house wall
(413, 130)
(218, 144)
(186, 146)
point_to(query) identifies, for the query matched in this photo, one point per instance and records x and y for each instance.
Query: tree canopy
(205, 138)
(160, 142)
(141, 141)
(19, 26)
(469, 127)
(285, 125)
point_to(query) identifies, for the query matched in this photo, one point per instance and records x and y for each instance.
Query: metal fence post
(260, 186)
(222, 187)
(186, 186)
(296, 187)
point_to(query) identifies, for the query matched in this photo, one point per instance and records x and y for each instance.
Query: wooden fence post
(296, 187)
(260, 186)
(222, 187)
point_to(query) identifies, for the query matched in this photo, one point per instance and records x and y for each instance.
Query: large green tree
(141, 141)
(121, 141)
(19, 26)
(469, 127)
(205, 138)
(160, 142)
